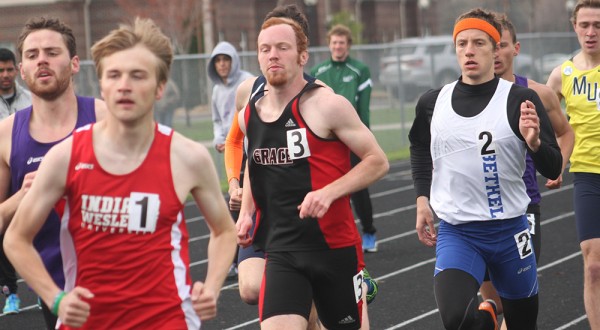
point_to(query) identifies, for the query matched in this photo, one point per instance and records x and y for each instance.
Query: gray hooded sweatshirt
(21, 101)
(223, 95)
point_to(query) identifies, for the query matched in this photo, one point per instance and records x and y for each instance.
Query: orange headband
(476, 23)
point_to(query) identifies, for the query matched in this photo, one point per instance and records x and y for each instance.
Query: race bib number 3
(531, 221)
(297, 143)
(358, 281)
(143, 212)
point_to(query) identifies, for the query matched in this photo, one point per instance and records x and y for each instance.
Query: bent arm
(234, 143)
(564, 132)
(419, 136)
(234, 152)
(207, 194)
(218, 135)
(555, 82)
(8, 204)
(46, 190)
(546, 156)
(348, 128)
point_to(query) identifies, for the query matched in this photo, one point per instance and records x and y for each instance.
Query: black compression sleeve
(420, 139)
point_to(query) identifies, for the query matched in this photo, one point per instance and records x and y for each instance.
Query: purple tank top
(529, 177)
(25, 156)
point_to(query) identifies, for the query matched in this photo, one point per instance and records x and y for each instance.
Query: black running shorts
(332, 278)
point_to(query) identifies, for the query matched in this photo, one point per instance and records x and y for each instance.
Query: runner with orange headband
(468, 145)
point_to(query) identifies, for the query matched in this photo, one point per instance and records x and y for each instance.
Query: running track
(403, 266)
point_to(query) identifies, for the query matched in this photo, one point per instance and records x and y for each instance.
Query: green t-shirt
(351, 79)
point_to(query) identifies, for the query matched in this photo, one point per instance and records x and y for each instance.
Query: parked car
(418, 64)
(551, 61)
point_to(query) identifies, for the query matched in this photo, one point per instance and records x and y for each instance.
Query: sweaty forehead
(588, 14)
(120, 60)
(276, 34)
(44, 39)
(472, 34)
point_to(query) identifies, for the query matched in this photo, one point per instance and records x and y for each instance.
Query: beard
(276, 79)
(52, 90)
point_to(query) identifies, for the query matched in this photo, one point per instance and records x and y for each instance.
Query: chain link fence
(401, 71)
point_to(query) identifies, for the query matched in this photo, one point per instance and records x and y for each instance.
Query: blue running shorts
(586, 198)
(503, 246)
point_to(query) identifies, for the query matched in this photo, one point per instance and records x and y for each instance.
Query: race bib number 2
(523, 240)
(297, 143)
(143, 212)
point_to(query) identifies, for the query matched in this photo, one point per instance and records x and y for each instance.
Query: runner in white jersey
(468, 144)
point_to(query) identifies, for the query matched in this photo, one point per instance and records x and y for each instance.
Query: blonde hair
(340, 30)
(142, 32)
(583, 4)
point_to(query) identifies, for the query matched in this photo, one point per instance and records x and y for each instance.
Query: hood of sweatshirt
(226, 48)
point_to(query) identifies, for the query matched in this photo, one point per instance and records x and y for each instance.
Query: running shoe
(489, 306)
(369, 242)
(12, 304)
(372, 286)
(233, 272)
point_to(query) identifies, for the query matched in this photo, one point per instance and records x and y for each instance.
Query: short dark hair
(53, 24)
(507, 25)
(7, 55)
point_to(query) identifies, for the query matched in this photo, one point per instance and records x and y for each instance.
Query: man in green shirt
(352, 79)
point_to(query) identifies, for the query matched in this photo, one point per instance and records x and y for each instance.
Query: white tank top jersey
(478, 162)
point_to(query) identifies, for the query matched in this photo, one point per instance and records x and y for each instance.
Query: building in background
(197, 25)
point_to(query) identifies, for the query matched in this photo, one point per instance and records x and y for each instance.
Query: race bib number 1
(297, 143)
(143, 212)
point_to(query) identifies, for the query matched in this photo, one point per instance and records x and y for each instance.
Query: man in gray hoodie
(225, 72)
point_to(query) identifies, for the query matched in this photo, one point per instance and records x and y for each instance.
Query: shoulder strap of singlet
(258, 88)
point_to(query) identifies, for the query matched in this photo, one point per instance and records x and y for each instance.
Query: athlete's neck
(586, 61)
(508, 75)
(279, 96)
(52, 120)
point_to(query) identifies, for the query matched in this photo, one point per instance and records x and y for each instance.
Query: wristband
(57, 300)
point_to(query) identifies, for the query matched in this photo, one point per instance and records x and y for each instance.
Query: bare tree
(207, 25)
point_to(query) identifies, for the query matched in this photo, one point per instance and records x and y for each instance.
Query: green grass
(398, 154)
(198, 130)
